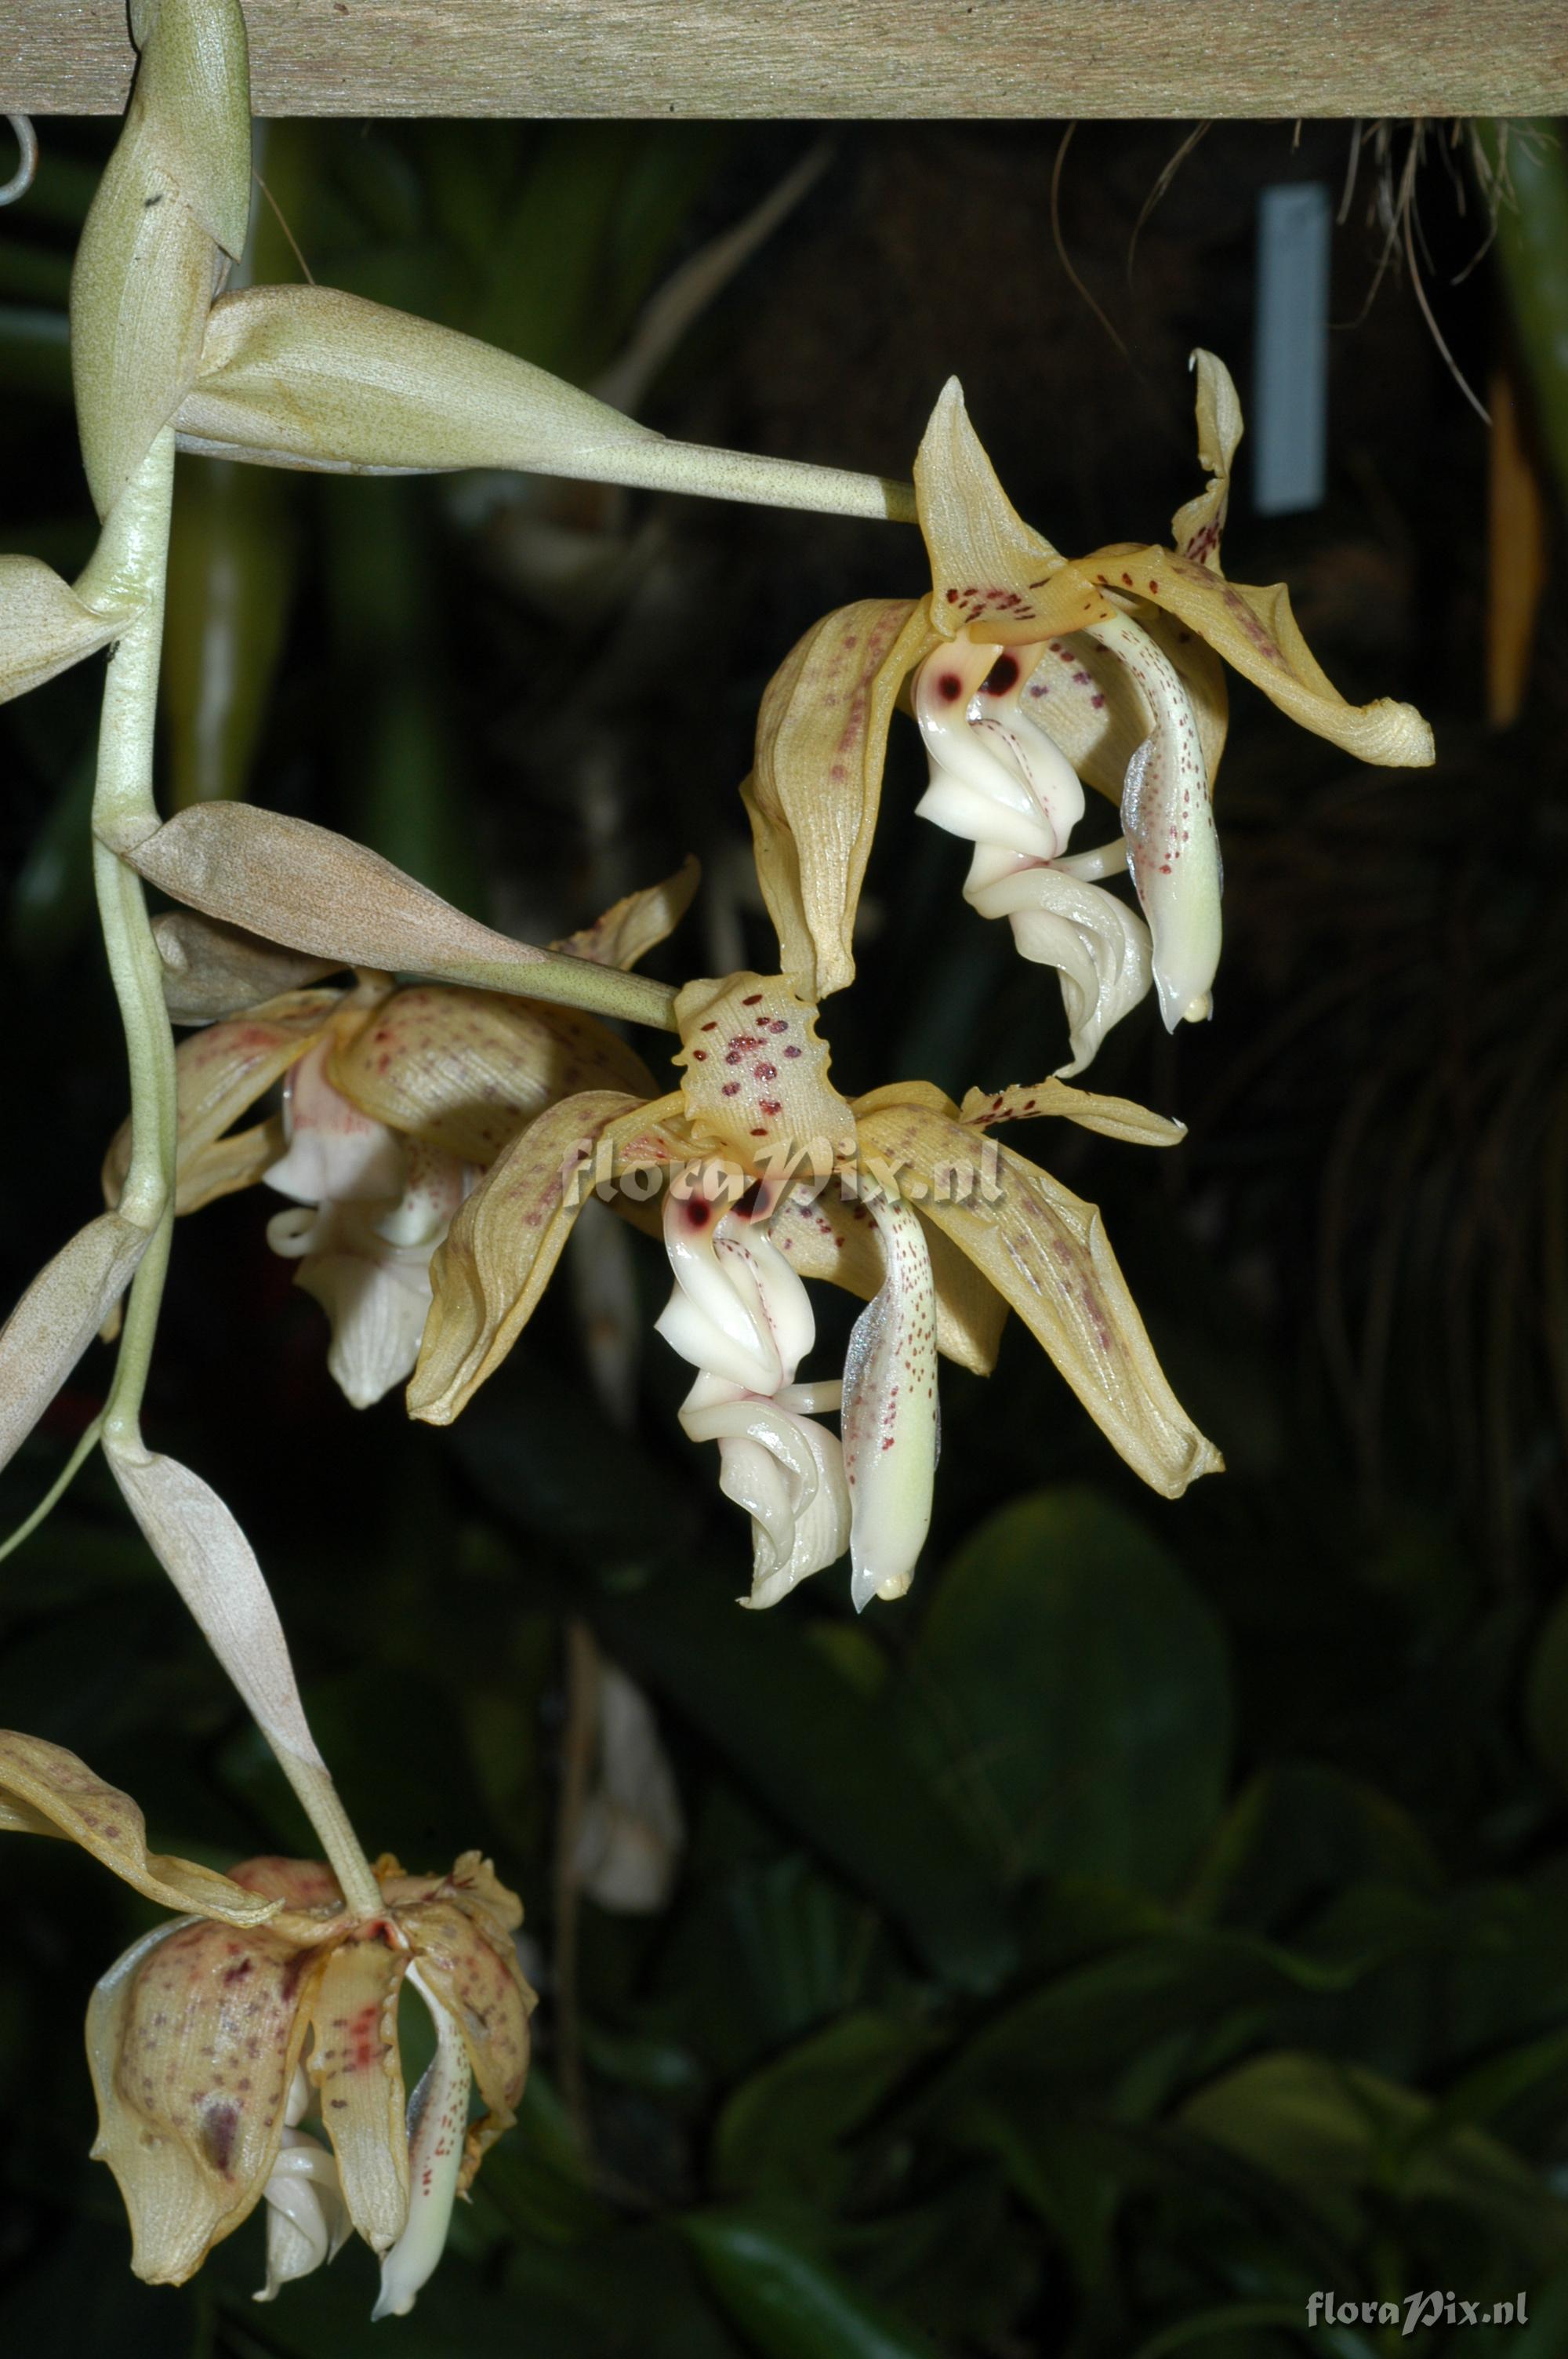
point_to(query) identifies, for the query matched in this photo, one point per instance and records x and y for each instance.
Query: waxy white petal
(336, 1154)
(996, 777)
(307, 2219)
(787, 1472)
(1099, 948)
(890, 1418)
(369, 1268)
(1167, 817)
(438, 2121)
(739, 1310)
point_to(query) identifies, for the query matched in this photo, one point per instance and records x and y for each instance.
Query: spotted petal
(193, 2038)
(465, 1070)
(218, 1072)
(1046, 1251)
(1258, 635)
(1112, 1117)
(460, 1932)
(827, 1235)
(991, 572)
(754, 1075)
(888, 1426)
(46, 1790)
(357, 2073)
(438, 2113)
(505, 1242)
(1197, 527)
(1167, 817)
(814, 793)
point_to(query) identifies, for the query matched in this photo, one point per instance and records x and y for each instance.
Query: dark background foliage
(1163, 1915)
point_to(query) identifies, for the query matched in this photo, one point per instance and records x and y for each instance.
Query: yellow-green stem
(57, 1490)
(130, 570)
(340, 1847)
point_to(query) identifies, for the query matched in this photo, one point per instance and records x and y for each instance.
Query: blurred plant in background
(1166, 1921)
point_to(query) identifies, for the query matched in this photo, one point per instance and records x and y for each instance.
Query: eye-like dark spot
(949, 688)
(699, 1213)
(219, 2124)
(1002, 675)
(746, 1203)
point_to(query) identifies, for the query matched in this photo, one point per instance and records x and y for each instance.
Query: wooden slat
(1186, 59)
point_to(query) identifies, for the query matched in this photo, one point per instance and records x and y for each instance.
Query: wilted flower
(1031, 675)
(631, 1832)
(212, 2036)
(941, 1229)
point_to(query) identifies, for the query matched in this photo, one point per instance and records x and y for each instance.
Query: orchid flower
(393, 1100)
(1030, 676)
(212, 2036)
(296, 376)
(907, 1203)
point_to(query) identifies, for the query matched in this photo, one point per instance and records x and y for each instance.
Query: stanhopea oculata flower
(395, 1099)
(1030, 676)
(769, 1177)
(214, 2036)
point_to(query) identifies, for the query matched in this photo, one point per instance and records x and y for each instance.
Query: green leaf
(832, 1763)
(788, 2302)
(781, 2131)
(1235, 2318)
(1334, 2132)
(1070, 1694)
(1298, 1831)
